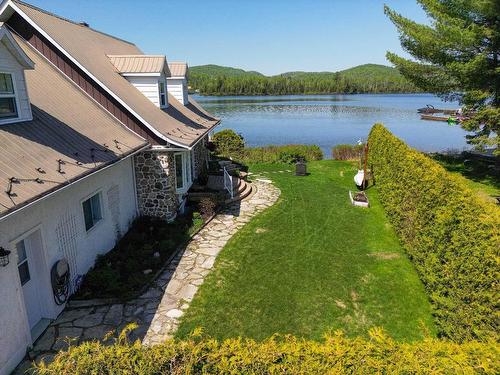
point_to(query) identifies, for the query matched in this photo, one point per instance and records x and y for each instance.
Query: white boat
(358, 179)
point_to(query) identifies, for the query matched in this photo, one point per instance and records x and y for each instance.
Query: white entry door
(27, 274)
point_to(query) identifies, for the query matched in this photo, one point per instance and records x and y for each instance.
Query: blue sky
(272, 36)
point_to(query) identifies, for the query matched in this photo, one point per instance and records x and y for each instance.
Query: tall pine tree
(457, 57)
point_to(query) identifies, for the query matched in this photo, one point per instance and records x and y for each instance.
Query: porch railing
(228, 183)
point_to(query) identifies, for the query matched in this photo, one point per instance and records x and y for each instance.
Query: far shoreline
(327, 94)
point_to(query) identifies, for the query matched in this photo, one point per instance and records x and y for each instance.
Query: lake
(328, 120)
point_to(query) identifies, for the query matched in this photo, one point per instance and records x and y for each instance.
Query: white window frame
(7, 120)
(164, 94)
(101, 208)
(187, 172)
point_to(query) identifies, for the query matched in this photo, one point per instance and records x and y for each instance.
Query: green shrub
(207, 207)
(281, 154)
(228, 143)
(451, 235)
(278, 355)
(347, 152)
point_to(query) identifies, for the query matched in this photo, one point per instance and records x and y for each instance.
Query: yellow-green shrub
(280, 355)
(451, 235)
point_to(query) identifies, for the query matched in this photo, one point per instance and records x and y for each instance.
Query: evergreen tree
(457, 57)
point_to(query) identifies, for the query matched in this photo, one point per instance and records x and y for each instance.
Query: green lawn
(312, 263)
(479, 174)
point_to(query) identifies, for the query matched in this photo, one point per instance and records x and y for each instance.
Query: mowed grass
(310, 264)
(481, 176)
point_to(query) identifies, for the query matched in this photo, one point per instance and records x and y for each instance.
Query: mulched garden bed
(137, 257)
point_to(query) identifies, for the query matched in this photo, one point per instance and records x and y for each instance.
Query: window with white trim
(163, 94)
(183, 170)
(92, 211)
(8, 105)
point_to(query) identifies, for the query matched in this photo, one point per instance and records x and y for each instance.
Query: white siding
(148, 86)
(178, 88)
(9, 64)
(48, 215)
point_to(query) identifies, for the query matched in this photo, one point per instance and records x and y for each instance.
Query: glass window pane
(87, 214)
(24, 272)
(21, 252)
(163, 99)
(96, 208)
(8, 108)
(178, 171)
(6, 86)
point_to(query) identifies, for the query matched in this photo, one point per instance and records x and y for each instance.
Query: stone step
(244, 191)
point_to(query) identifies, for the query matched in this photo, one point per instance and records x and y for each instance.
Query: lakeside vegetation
(228, 144)
(369, 78)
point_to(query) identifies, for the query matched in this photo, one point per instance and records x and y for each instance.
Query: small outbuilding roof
(129, 64)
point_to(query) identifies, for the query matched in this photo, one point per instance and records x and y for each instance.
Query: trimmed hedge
(451, 235)
(281, 154)
(278, 355)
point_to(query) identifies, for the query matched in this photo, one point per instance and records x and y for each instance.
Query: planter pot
(359, 199)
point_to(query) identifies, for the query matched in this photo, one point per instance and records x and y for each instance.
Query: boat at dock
(430, 110)
(448, 119)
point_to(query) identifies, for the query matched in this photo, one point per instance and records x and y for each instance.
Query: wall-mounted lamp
(4, 257)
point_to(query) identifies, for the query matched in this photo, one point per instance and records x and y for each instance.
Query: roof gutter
(72, 59)
(71, 182)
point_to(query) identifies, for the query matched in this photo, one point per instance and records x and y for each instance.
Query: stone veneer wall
(155, 182)
(200, 157)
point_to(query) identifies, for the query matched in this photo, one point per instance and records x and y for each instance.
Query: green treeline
(371, 78)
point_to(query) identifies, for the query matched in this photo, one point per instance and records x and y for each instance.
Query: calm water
(327, 120)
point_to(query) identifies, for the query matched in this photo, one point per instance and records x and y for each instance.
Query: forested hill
(369, 78)
(217, 70)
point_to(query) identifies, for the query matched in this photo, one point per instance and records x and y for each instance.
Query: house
(93, 133)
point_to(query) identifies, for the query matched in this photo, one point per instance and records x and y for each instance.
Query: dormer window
(8, 106)
(177, 82)
(146, 73)
(163, 94)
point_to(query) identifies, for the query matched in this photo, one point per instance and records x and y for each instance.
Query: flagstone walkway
(195, 263)
(158, 310)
